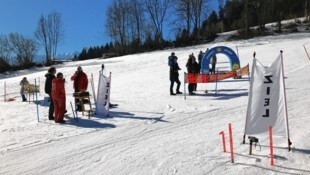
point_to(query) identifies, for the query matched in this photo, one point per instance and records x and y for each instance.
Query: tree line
(18, 51)
(136, 26)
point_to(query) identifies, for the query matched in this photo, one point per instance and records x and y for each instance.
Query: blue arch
(233, 58)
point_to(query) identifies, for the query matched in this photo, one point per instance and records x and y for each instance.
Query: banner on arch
(207, 78)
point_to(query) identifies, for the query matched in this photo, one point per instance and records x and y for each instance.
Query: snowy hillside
(151, 132)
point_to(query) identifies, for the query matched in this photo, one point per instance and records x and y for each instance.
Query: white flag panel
(103, 95)
(267, 100)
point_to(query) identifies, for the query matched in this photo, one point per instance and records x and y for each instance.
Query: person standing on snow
(23, 85)
(59, 97)
(213, 63)
(80, 83)
(200, 56)
(50, 75)
(192, 68)
(174, 76)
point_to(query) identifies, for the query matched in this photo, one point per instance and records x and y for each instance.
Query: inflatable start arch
(233, 58)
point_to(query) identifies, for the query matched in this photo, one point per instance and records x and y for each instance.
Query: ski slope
(151, 132)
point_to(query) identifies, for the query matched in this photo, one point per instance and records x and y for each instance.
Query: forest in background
(136, 26)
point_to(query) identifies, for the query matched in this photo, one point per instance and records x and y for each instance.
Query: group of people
(55, 88)
(192, 67)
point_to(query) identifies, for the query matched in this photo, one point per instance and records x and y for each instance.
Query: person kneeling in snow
(59, 97)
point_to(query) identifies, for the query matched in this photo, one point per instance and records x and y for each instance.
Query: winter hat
(59, 75)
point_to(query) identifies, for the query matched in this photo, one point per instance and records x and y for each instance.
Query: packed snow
(151, 132)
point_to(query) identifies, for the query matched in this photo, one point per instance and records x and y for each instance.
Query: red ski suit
(80, 81)
(59, 98)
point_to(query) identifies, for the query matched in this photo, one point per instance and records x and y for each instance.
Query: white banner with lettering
(103, 95)
(267, 103)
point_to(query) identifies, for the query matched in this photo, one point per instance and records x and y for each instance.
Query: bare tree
(246, 27)
(197, 6)
(57, 31)
(306, 10)
(221, 14)
(138, 18)
(49, 33)
(157, 10)
(117, 22)
(5, 51)
(24, 49)
(183, 12)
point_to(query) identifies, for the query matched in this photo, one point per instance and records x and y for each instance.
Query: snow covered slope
(151, 132)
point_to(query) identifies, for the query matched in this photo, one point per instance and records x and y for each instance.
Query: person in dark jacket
(174, 76)
(200, 56)
(50, 75)
(213, 63)
(59, 97)
(171, 59)
(192, 68)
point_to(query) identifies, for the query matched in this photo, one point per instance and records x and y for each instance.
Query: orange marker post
(271, 146)
(223, 140)
(231, 143)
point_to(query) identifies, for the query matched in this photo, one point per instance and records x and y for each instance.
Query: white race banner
(103, 95)
(267, 103)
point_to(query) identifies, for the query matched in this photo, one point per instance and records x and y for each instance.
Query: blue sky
(83, 20)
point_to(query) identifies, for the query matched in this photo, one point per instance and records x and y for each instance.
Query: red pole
(223, 140)
(271, 146)
(231, 143)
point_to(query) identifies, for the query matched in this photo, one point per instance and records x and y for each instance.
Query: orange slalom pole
(271, 146)
(223, 140)
(231, 143)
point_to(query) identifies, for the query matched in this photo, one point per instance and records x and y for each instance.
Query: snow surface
(151, 132)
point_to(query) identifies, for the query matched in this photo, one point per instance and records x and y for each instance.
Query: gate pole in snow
(93, 89)
(271, 146)
(306, 52)
(231, 143)
(216, 78)
(36, 91)
(39, 85)
(237, 51)
(223, 140)
(184, 86)
(285, 103)
(5, 91)
(243, 139)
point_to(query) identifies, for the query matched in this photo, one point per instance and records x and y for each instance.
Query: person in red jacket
(80, 83)
(80, 80)
(59, 97)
